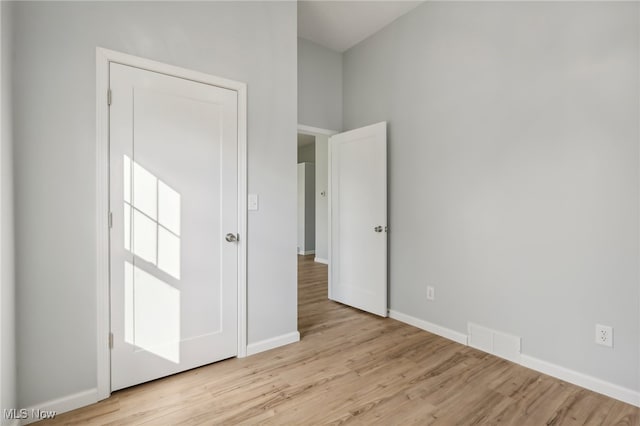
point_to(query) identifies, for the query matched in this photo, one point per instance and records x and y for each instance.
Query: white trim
(309, 130)
(272, 343)
(329, 221)
(64, 404)
(638, 258)
(594, 384)
(242, 220)
(583, 380)
(321, 260)
(2, 338)
(304, 253)
(447, 333)
(103, 58)
(103, 320)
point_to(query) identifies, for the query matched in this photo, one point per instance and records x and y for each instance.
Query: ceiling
(340, 25)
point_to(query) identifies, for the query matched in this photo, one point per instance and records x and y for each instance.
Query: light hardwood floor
(352, 367)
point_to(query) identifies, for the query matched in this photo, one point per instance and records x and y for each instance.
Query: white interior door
(358, 218)
(173, 199)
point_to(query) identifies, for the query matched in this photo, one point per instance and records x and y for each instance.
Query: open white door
(174, 206)
(358, 218)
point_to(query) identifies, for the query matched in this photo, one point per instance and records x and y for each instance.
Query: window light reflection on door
(152, 313)
(152, 218)
(151, 233)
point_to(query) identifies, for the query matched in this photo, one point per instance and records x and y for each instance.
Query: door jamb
(313, 131)
(103, 58)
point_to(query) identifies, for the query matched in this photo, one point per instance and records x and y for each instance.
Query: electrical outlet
(431, 293)
(604, 335)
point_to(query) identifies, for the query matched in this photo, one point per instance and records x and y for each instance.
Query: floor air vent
(494, 342)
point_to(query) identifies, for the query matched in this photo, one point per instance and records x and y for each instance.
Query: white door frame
(103, 58)
(313, 131)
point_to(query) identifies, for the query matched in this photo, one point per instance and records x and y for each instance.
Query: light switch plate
(252, 202)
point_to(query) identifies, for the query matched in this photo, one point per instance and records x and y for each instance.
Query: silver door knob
(378, 229)
(232, 238)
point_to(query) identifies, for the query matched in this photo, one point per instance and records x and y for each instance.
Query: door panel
(173, 159)
(358, 218)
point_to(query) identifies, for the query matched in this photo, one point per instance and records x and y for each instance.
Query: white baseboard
(594, 384)
(274, 342)
(447, 333)
(321, 260)
(588, 382)
(64, 404)
(304, 253)
(90, 396)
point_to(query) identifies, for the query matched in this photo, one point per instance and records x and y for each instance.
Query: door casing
(103, 58)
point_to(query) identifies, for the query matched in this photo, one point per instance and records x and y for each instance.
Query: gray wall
(322, 202)
(306, 207)
(319, 86)
(319, 105)
(301, 207)
(307, 154)
(310, 207)
(7, 283)
(55, 162)
(513, 169)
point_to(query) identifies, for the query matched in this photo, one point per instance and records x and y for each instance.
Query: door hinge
(110, 220)
(109, 97)
(110, 340)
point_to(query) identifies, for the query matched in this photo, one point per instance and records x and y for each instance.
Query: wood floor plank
(355, 368)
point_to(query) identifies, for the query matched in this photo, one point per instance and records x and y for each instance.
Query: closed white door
(173, 199)
(358, 218)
